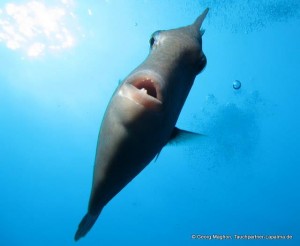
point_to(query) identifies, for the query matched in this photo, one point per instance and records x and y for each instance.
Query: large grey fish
(141, 115)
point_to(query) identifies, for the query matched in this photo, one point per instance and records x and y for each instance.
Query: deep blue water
(60, 61)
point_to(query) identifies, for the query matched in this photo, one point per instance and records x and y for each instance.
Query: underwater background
(60, 62)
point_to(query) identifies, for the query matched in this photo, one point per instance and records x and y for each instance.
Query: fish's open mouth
(147, 86)
(143, 88)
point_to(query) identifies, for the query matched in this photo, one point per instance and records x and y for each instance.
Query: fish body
(141, 115)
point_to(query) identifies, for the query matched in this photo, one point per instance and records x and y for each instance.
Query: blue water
(57, 72)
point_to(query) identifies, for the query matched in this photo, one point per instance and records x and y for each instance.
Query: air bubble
(236, 84)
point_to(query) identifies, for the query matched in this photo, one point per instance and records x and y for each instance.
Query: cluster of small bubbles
(249, 15)
(231, 129)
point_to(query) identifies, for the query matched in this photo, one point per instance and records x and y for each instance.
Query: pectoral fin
(179, 135)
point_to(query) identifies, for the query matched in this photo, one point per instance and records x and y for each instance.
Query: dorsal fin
(198, 22)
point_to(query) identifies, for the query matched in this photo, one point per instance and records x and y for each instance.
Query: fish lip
(146, 78)
(144, 88)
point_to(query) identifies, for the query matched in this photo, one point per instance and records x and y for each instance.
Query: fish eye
(151, 41)
(154, 38)
(202, 64)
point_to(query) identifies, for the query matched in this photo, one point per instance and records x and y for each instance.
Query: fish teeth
(148, 79)
(144, 90)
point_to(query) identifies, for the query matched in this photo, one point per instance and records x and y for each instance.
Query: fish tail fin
(85, 225)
